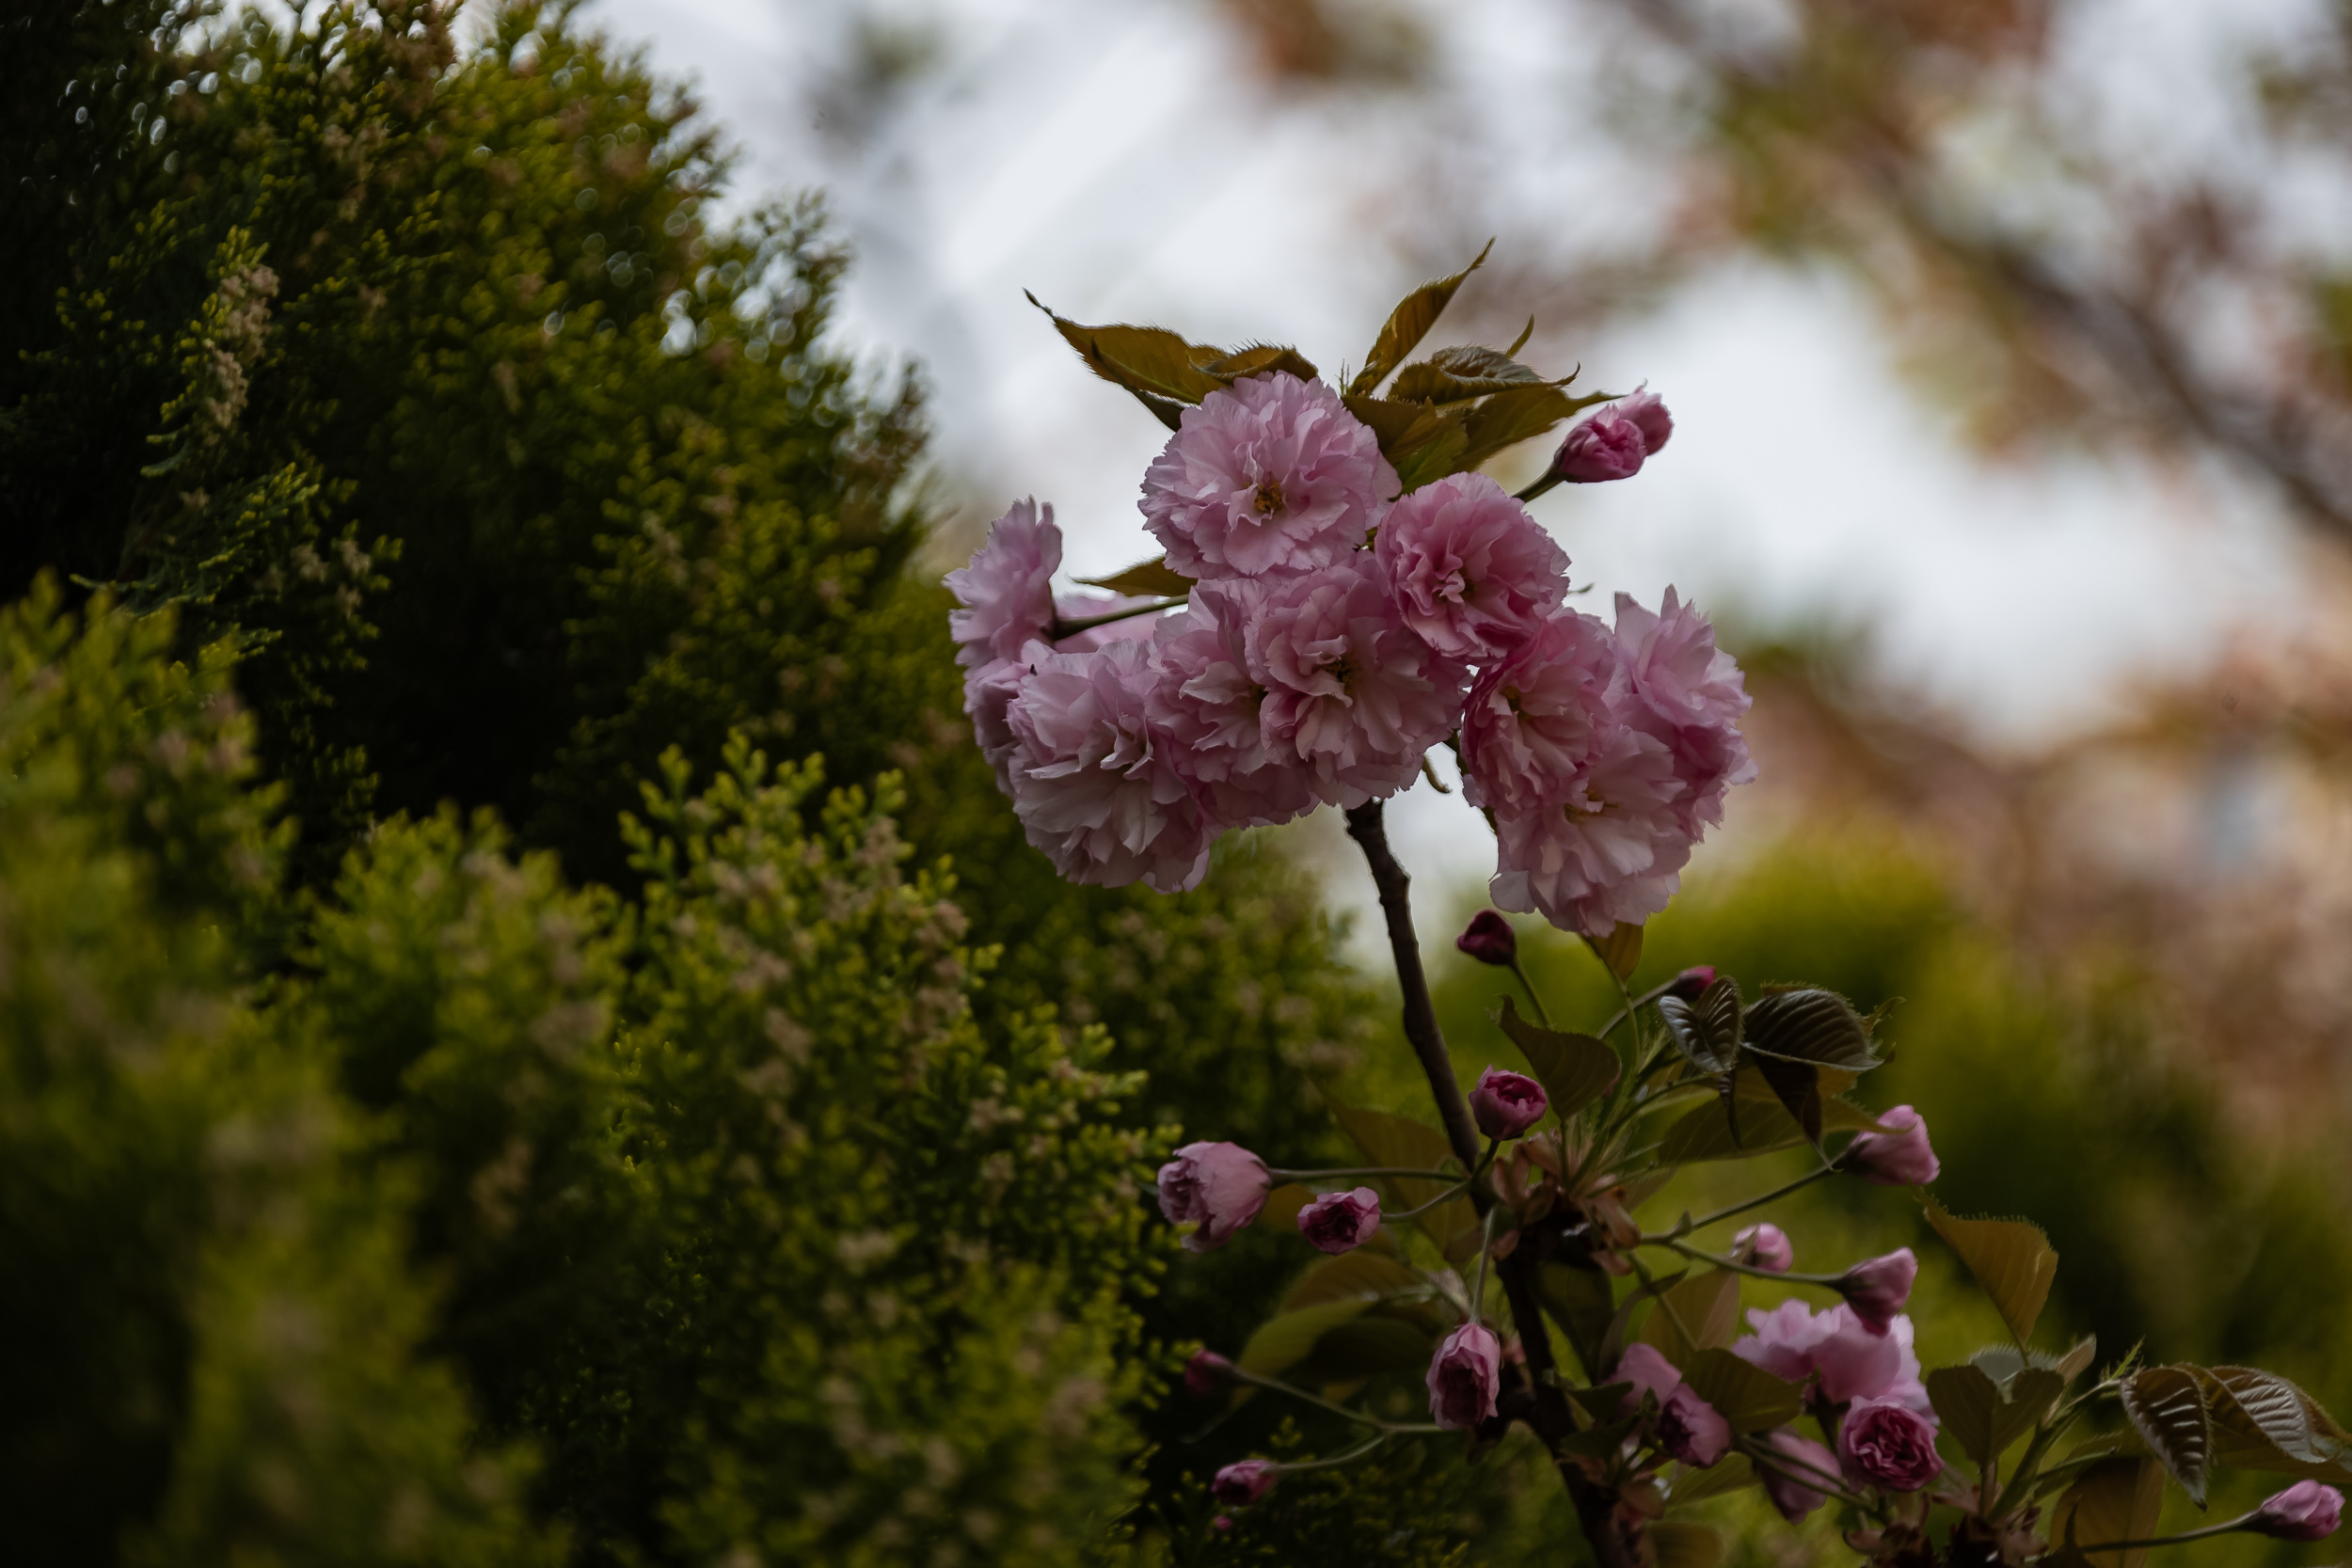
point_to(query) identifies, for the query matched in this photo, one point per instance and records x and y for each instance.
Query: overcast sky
(1118, 158)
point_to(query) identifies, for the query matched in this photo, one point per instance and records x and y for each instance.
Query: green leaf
(1460, 373)
(1150, 578)
(1284, 1340)
(1798, 1087)
(2071, 1365)
(1574, 1070)
(1676, 1545)
(1613, 1342)
(1389, 1140)
(1518, 414)
(1707, 1031)
(2167, 1406)
(1432, 459)
(1810, 1025)
(1414, 315)
(1983, 1416)
(1359, 1275)
(2114, 1499)
(1620, 950)
(1744, 1394)
(1375, 1342)
(1707, 1303)
(1692, 1485)
(1583, 1301)
(2012, 1259)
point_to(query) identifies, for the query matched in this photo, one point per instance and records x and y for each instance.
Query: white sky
(1115, 157)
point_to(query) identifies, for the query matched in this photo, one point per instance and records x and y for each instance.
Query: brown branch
(1546, 1408)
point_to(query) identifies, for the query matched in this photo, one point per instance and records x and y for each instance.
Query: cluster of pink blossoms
(1334, 633)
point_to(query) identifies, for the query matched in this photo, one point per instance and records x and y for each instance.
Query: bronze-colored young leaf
(2166, 1407)
(1142, 358)
(2113, 1499)
(2012, 1260)
(1676, 1545)
(1414, 315)
(1258, 359)
(1707, 1031)
(1810, 1025)
(1376, 1342)
(1281, 1212)
(1746, 1396)
(1284, 1340)
(1983, 1416)
(1518, 414)
(1620, 950)
(1423, 462)
(1169, 411)
(1707, 1304)
(1358, 1275)
(1398, 425)
(1151, 578)
(1581, 1300)
(1574, 1070)
(1460, 373)
(1390, 1140)
(1621, 1322)
(1798, 1087)
(1708, 1132)
(2071, 1365)
(2264, 1422)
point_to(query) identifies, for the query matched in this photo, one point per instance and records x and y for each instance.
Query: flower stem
(1364, 1170)
(1542, 1016)
(1827, 1281)
(2225, 1527)
(1061, 629)
(1805, 1179)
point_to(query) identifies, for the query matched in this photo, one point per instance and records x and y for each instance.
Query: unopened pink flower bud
(1246, 1482)
(1646, 411)
(1891, 1443)
(2305, 1511)
(1206, 1373)
(1791, 1484)
(1876, 1289)
(1692, 983)
(1899, 1158)
(1603, 445)
(1215, 1187)
(1489, 939)
(1341, 1222)
(1465, 1376)
(1221, 1523)
(1505, 1104)
(1691, 1429)
(1763, 1247)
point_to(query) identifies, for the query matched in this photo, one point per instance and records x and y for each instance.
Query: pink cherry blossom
(1877, 1287)
(1898, 1158)
(1691, 1429)
(1341, 1222)
(1646, 1366)
(1084, 607)
(1271, 476)
(1763, 1247)
(1352, 694)
(1614, 850)
(1852, 1362)
(1465, 1376)
(1646, 412)
(1007, 592)
(1537, 719)
(1889, 1445)
(1473, 572)
(1217, 1187)
(1689, 694)
(1206, 699)
(1244, 1482)
(1505, 1104)
(988, 693)
(1095, 782)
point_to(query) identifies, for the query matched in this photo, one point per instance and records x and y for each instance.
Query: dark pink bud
(1222, 1522)
(1505, 1104)
(1763, 1247)
(1646, 411)
(1216, 1188)
(1876, 1290)
(1605, 446)
(2305, 1511)
(1206, 1373)
(1891, 1443)
(1489, 939)
(1899, 1158)
(1802, 1460)
(1692, 983)
(1464, 1375)
(1240, 1485)
(1341, 1222)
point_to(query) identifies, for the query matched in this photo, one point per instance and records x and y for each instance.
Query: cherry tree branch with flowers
(1341, 591)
